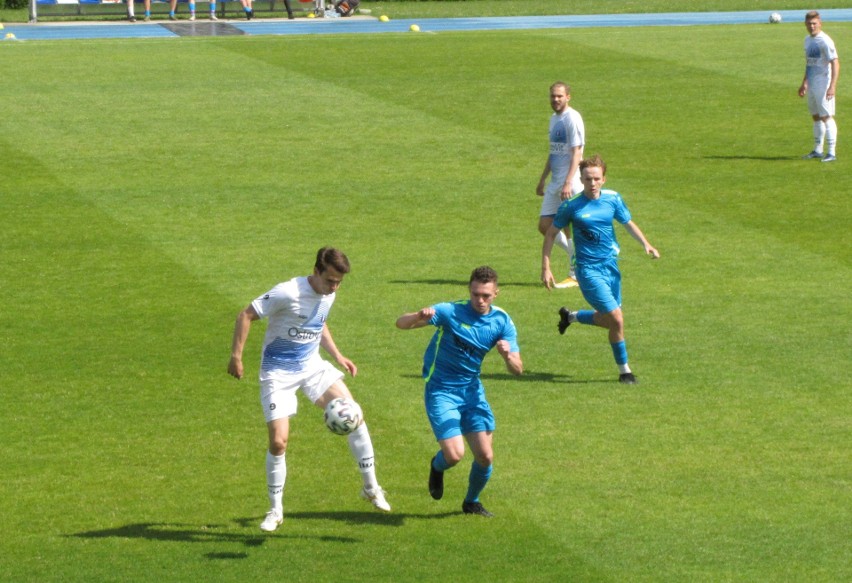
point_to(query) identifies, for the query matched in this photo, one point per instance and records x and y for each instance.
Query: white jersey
(566, 132)
(296, 315)
(819, 52)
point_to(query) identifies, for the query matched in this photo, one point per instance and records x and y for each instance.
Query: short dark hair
(813, 14)
(331, 257)
(483, 274)
(563, 85)
(593, 162)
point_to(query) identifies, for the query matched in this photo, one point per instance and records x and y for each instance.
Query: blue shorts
(601, 285)
(453, 413)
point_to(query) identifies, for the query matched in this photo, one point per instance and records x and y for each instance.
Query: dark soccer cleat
(475, 508)
(627, 378)
(436, 482)
(564, 319)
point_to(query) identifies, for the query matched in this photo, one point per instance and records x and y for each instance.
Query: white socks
(361, 447)
(830, 136)
(819, 134)
(276, 475)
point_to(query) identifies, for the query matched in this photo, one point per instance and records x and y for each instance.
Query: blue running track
(57, 31)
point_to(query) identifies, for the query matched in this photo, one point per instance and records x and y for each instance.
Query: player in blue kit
(591, 216)
(455, 398)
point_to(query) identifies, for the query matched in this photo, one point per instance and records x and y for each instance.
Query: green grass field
(152, 188)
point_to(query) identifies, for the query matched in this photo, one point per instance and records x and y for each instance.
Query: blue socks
(586, 317)
(619, 351)
(440, 464)
(476, 482)
(477, 479)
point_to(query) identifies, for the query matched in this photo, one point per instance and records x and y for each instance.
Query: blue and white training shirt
(296, 316)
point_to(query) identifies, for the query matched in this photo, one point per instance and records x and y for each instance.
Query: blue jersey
(454, 356)
(591, 225)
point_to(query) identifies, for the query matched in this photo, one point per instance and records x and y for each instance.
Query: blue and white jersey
(591, 225)
(296, 316)
(819, 52)
(454, 356)
(566, 132)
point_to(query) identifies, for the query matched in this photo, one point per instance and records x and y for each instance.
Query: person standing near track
(822, 68)
(567, 135)
(591, 216)
(455, 398)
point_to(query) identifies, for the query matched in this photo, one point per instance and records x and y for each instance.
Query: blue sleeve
(510, 335)
(563, 216)
(622, 214)
(443, 311)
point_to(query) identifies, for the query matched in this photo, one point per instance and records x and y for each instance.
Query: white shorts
(817, 103)
(278, 395)
(553, 195)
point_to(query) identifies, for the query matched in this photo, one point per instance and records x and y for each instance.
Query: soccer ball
(774, 18)
(343, 416)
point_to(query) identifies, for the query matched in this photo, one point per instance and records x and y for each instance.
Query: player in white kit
(567, 139)
(822, 68)
(297, 311)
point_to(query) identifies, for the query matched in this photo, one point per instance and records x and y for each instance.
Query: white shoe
(376, 497)
(213, 16)
(272, 521)
(192, 18)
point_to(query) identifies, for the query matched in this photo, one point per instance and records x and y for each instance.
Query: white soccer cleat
(272, 521)
(376, 497)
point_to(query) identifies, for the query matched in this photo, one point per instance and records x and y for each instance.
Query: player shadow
(528, 377)
(764, 158)
(464, 283)
(358, 518)
(189, 533)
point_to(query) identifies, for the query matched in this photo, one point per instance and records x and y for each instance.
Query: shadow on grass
(531, 377)
(189, 533)
(764, 158)
(356, 518)
(186, 533)
(464, 283)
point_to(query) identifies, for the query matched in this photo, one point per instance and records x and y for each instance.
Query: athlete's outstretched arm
(415, 319)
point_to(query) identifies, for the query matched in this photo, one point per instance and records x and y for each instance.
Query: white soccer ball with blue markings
(343, 416)
(774, 18)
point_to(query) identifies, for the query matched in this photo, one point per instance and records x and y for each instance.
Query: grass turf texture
(152, 188)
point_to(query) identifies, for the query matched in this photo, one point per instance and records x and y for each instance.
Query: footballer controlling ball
(774, 18)
(343, 416)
